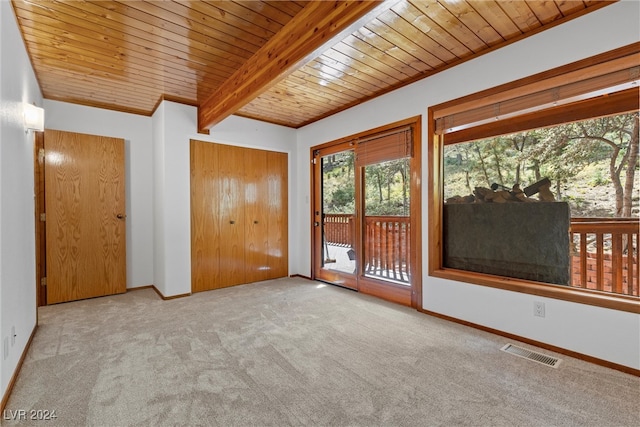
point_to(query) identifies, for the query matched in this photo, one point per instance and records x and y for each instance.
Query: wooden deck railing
(386, 253)
(338, 229)
(386, 250)
(604, 254)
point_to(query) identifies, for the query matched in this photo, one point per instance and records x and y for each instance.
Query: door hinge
(313, 161)
(43, 281)
(41, 155)
(43, 217)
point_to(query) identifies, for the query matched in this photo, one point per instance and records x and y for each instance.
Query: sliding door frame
(317, 218)
(383, 289)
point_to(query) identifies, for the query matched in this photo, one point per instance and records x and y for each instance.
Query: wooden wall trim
(415, 120)
(169, 297)
(616, 103)
(140, 288)
(301, 276)
(540, 81)
(570, 353)
(16, 372)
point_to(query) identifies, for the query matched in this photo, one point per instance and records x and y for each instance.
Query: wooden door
(276, 205)
(85, 216)
(331, 260)
(256, 213)
(205, 217)
(232, 175)
(41, 253)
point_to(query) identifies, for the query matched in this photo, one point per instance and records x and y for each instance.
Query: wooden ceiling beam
(308, 34)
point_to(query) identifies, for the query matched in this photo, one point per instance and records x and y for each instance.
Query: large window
(535, 184)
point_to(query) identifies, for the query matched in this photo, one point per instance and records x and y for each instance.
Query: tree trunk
(497, 159)
(614, 172)
(536, 170)
(466, 177)
(632, 162)
(520, 165)
(403, 173)
(484, 167)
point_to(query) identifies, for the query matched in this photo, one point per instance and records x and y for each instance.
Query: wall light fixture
(33, 118)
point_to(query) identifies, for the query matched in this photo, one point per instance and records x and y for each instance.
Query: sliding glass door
(364, 214)
(387, 225)
(334, 216)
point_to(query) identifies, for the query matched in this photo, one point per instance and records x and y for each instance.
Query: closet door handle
(255, 222)
(232, 222)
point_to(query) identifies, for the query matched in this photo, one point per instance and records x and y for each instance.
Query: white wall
(136, 130)
(158, 156)
(606, 334)
(172, 123)
(17, 222)
(174, 126)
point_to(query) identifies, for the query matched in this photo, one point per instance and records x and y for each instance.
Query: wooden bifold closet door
(238, 215)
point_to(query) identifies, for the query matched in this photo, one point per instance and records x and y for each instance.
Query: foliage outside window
(386, 192)
(592, 165)
(339, 183)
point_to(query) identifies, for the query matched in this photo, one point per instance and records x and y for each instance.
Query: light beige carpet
(294, 352)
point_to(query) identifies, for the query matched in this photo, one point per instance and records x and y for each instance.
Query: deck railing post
(607, 256)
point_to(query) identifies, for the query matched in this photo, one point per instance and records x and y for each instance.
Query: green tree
(578, 143)
(559, 153)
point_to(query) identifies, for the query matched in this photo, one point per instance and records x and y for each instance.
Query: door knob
(121, 216)
(232, 222)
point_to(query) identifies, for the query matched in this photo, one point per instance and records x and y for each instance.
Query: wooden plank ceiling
(283, 62)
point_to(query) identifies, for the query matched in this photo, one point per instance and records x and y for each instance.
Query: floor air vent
(531, 355)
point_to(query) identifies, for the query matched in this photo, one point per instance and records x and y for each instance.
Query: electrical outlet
(538, 308)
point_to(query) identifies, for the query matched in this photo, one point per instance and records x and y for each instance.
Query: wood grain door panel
(85, 208)
(205, 217)
(276, 204)
(256, 214)
(232, 215)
